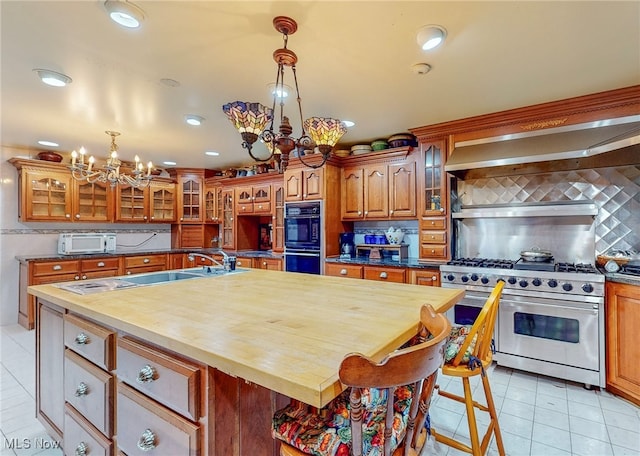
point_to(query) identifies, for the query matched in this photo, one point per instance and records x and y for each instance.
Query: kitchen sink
(151, 278)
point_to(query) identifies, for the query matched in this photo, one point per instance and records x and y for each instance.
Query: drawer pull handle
(82, 449)
(146, 260)
(434, 278)
(57, 267)
(82, 389)
(147, 441)
(101, 264)
(343, 272)
(82, 339)
(383, 275)
(147, 374)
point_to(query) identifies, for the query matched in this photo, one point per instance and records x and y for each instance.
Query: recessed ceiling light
(212, 153)
(348, 123)
(124, 13)
(280, 92)
(430, 36)
(192, 119)
(53, 78)
(169, 163)
(48, 143)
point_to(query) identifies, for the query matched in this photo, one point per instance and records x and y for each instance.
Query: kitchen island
(250, 340)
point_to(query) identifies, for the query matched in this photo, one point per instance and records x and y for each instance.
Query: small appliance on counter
(86, 243)
(347, 246)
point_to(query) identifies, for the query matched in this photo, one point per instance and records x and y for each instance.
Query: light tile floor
(538, 415)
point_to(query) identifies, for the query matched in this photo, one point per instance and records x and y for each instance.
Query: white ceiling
(355, 61)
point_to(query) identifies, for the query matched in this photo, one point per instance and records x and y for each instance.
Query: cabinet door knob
(67, 215)
(434, 278)
(147, 441)
(82, 339)
(144, 218)
(264, 263)
(76, 277)
(82, 389)
(153, 217)
(146, 260)
(147, 374)
(181, 219)
(383, 275)
(359, 212)
(343, 272)
(84, 277)
(77, 216)
(100, 264)
(391, 211)
(366, 212)
(82, 449)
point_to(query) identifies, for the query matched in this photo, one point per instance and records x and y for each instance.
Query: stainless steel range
(551, 315)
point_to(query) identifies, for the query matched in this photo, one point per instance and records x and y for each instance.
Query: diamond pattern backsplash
(615, 190)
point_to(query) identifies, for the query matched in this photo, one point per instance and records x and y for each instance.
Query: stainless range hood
(614, 142)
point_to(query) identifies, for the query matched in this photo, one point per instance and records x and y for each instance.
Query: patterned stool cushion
(327, 432)
(456, 339)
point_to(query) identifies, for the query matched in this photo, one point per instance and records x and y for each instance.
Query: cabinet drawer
(41, 280)
(144, 425)
(343, 270)
(55, 267)
(100, 264)
(434, 224)
(262, 208)
(143, 269)
(433, 251)
(273, 264)
(171, 381)
(244, 208)
(80, 437)
(385, 274)
(90, 390)
(145, 261)
(244, 262)
(90, 340)
(433, 237)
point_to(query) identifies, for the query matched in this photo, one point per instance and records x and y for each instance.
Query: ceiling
(355, 60)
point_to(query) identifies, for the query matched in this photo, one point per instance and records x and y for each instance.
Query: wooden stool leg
(492, 412)
(471, 418)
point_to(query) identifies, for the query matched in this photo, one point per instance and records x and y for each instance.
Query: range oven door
(561, 332)
(308, 262)
(467, 310)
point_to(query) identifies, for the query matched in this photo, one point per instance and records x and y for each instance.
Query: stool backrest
(482, 329)
(407, 366)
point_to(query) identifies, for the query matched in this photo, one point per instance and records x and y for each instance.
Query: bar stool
(377, 409)
(468, 354)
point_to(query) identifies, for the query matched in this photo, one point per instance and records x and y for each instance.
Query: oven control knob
(552, 283)
(587, 288)
(512, 280)
(450, 277)
(465, 278)
(567, 287)
(523, 283)
(474, 277)
(484, 280)
(537, 282)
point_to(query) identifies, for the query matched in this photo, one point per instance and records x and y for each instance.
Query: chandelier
(251, 119)
(110, 173)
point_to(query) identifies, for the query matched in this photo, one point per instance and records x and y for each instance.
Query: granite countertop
(622, 278)
(404, 263)
(206, 251)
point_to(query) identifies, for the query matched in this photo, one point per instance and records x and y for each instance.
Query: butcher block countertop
(285, 331)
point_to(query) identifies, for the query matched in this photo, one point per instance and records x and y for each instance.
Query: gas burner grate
(483, 263)
(581, 268)
(631, 269)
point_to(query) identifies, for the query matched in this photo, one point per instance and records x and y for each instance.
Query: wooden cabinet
(434, 203)
(385, 274)
(378, 190)
(154, 203)
(425, 277)
(228, 216)
(277, 232)
(304, 184)
(273, 264)
(253, 199)
(344, 270)
(136, 264)
(50, 368)
(213, 201)
(622, 323)
(190, 194)
(245, 262)
(52, 271)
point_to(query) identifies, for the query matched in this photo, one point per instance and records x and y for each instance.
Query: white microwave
(86, 243)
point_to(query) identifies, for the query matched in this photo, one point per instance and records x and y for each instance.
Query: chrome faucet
(192, 256)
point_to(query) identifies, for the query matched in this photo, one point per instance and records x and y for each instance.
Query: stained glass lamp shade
(325, 132)
(250, 119)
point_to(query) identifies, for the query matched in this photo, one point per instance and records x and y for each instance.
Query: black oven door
(307, 262)
(302, 233)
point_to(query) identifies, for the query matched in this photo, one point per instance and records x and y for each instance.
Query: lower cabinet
(622, 323)
(273, 264)
(422, 276)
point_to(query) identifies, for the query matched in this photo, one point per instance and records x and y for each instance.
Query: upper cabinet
(253, 199)
(48, 193)
(304, 184)
(379, 186)
(213, 201)
(191, 202)
(154, 203)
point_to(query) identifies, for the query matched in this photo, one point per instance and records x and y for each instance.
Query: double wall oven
(303, 241)
(551, 314)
